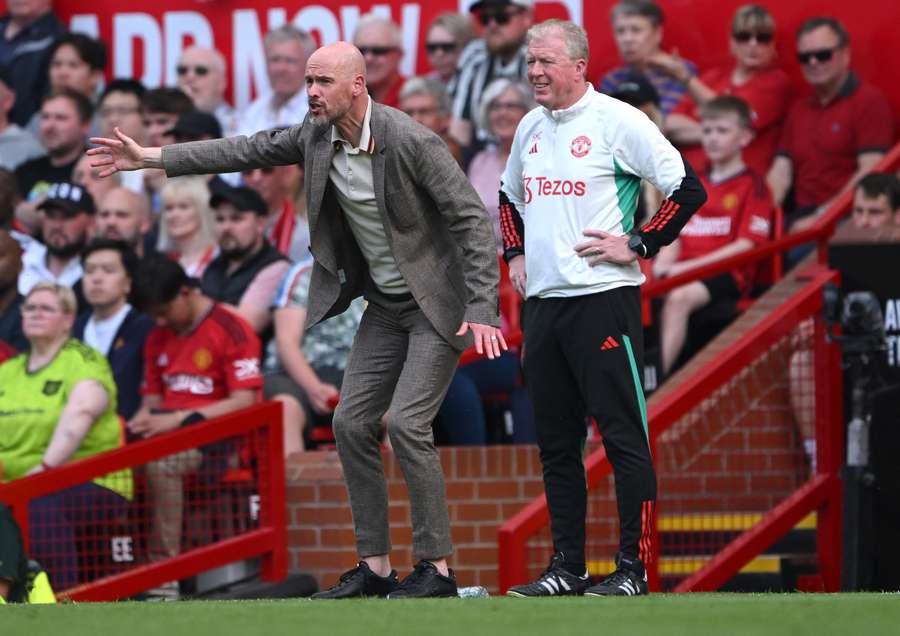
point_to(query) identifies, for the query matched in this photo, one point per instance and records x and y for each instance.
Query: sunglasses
(500, 17)
(200, 71)
(745, 36)
(821, 55)
(377, 51)
(443, 47)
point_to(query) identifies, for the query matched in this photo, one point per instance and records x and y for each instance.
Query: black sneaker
(629, 579)
(555, 581)
(426, 582)
(360, 582)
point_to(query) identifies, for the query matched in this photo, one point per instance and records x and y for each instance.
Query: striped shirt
(670, 91)
(475, 70)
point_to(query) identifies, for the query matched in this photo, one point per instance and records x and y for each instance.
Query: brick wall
(485, 486)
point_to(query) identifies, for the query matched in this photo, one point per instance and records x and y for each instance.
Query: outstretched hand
(488, 340)
(120, 154)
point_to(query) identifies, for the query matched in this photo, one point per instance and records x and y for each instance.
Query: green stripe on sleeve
(628, 188)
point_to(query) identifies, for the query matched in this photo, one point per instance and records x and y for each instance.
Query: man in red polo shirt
(201, 361)
(834, 137)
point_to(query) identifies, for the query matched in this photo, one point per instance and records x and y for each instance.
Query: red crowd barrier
(234, 495)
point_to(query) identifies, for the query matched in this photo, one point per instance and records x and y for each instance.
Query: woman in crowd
(186, 224)
(58, 404)
(503, 105)
(445, 39)
(754, 77)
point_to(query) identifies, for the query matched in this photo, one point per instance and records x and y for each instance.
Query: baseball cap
(635, 89)
(196, 124)
(241, 197)
(68, 197)
(488, 4)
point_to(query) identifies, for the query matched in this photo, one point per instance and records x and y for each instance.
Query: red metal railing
(821, 493)
(258, 429)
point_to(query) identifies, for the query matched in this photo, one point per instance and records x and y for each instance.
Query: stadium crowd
(165, 301)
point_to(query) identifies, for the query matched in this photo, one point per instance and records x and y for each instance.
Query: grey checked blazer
(436, 225)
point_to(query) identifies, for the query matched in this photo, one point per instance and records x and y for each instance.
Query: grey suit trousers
(399, 368)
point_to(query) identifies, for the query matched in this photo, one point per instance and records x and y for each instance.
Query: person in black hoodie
(112, 326)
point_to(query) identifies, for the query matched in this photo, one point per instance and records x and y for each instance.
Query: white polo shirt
(579, 168)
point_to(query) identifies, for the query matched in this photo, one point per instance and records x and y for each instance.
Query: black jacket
(126, 358)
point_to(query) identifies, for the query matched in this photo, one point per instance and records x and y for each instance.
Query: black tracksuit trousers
(583, 357)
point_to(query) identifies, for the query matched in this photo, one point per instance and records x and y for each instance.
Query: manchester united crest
(580, 146)
(202, 359)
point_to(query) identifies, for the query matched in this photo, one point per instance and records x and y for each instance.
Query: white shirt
(100, 334)
(260, 115)
(34, 269)
(351, 175)
(579, 168)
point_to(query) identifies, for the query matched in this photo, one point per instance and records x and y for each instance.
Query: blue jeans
(56, 521)
(462, 420)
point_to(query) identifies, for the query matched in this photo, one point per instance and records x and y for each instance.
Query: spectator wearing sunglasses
(447, 36)
(284, 102)
(638, 30)
(753, 77)
(381, 43)
(833, 137)
(500, 52)
(201, 75)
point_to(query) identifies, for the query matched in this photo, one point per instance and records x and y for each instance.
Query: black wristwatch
(636, 245)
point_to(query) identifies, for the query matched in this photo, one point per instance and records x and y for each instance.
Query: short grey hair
(66, 297)
(573, 35)
(427, 86)
(375, 20)
(287, 32)
(494, 90)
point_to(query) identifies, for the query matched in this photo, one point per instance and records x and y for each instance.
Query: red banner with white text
(146, 37)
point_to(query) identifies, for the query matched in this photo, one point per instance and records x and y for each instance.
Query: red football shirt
(6, 352)
(739, 207)
(219, 356)
(769, 96)
(823, 142)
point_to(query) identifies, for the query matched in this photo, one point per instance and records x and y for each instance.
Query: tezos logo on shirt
(544, 187)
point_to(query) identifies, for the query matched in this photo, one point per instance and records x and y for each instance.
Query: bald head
(340, 57)
(201, 75)
(124, 215)
(335, 82)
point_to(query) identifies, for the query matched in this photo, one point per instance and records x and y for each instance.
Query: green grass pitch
(657, 615)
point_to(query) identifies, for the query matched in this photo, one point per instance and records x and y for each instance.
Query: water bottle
(858, 442)
(474, 591)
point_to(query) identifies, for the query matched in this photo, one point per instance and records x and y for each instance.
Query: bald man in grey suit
(392, 217)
